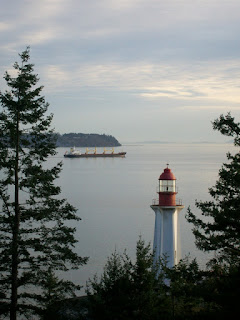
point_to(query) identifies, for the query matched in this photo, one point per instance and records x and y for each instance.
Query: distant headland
(86, 140)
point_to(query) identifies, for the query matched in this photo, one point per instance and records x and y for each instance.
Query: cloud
(206, 83)
(165, 22)
(44, 10)
(38, 37)
(4, 26)
(143, 56)
(209, 108)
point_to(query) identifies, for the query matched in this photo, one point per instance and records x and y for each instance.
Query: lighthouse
(166, 208)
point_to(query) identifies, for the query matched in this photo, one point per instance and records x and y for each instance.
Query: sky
(140, 70)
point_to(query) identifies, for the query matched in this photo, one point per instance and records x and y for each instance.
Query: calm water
(113, 196)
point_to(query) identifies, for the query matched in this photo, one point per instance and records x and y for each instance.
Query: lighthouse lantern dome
(167, 181)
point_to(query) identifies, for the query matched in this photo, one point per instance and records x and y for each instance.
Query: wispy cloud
(4, 26)
(152, 81)
(38, 37)
(146, 55)
(224, 108)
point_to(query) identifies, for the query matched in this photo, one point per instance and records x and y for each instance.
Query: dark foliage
(135, 290)
(86, 140)
(126, 290)
(218, 227)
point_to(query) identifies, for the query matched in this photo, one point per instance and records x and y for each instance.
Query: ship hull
(96, 155)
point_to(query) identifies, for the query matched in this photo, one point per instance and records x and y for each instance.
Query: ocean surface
(113, 196)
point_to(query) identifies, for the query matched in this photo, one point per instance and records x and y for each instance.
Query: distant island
(86, 140)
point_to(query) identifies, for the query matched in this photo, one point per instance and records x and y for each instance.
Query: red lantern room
(167, 188)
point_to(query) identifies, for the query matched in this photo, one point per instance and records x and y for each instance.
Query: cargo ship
(92, 153)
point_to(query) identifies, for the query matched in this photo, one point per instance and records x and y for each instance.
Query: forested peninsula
(86, 140)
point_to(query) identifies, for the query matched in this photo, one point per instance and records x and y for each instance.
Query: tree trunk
(16, 222)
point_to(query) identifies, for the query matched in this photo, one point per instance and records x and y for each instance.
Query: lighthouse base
(166, 234)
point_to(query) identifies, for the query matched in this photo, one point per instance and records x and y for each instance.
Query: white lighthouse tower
(166, 233)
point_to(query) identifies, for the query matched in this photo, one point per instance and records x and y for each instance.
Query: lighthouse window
(167, 185)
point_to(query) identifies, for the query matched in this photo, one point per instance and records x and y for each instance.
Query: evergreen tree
(135, 290)
(35, 241)
(221, 291)
(127, 289)
(190, 291)
(219, 228)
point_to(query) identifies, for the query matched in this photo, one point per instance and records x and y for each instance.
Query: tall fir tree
(218, 229)
(35, 241)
